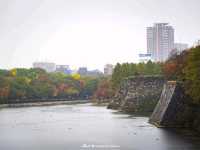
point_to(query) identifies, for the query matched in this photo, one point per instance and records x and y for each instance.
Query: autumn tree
(192, 74)
(104, 89)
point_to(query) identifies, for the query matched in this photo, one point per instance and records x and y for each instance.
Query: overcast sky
(88, 32)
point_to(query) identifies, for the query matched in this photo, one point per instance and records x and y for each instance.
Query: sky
(88, 33)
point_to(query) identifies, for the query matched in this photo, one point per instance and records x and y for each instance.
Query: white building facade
(108, 69)
(47, 66)
(160, 41)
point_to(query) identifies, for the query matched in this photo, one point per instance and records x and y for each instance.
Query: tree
(173, 68)
(89, 87)
(192, 74)
(185, 68)
(19, 87)
(76, 76)
(104, 90)
(3, 73)
(4, 89)
(117, 75)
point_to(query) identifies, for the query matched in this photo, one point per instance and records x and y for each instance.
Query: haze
(88, 32)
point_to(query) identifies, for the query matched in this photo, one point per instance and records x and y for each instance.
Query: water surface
(83, 127)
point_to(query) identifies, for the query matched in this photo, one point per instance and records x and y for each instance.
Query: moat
(83, 127)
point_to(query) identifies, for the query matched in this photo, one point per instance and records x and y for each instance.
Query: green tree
(125, 70)
(18, 87)
(117, 75)
(192, 74)
(89, 87)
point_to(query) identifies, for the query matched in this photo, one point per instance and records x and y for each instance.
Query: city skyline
(53, 67)
(92, 34)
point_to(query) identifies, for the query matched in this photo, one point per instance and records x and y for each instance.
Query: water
(85, 127)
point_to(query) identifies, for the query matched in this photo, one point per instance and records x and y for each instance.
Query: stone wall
(175, 109)
(138, 94)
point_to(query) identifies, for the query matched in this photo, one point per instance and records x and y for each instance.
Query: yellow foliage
(76, 76)
(71, 91)
(13, 72)
(27, 80)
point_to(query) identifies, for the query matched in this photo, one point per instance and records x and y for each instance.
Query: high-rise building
(160, 41)
(108, 69)
(47, 66)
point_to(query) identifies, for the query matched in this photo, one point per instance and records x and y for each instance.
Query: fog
(88, 32)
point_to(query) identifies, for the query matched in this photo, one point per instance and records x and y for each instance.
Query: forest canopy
(20, 85)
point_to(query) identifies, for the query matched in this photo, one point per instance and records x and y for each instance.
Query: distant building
(144, 57)
(47, 66)
(83, 71)
(108, 69)
(180, 47)
(197, 43)
(160, 41)
(63, 68)
(74, 71)
(94, 73)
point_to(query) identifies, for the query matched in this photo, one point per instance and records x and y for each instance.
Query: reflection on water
(83, 127)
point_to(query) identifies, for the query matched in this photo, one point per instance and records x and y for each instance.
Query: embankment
(44, 103)
(175, 108)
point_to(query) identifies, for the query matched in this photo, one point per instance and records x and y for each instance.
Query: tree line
(25, 85)
(185, 68)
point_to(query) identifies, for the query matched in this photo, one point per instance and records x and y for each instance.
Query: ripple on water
(70, 126)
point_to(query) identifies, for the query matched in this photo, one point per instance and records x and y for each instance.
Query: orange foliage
(173, 68)
(43, 77)
(4, 92)
(170, 69)
(82, 83)
(104, 90)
